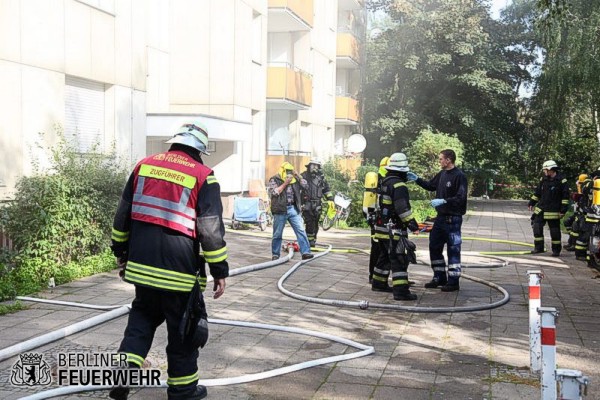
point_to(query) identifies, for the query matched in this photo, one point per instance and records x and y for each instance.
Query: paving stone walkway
(471, 355)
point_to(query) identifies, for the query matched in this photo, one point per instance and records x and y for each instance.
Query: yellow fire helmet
(382, 164)
(283, 171)
(582, 178)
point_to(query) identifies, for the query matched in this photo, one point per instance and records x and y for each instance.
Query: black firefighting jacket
(394, 206)
(551, 196)
(164, 259)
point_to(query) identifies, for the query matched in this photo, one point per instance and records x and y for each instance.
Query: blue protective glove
(411, 176)
(437, 202)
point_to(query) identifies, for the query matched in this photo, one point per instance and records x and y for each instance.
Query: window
(84, 113)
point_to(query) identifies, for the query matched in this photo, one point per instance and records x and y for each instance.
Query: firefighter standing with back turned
(590, 200)
(549, 204)
(575, 223)
(393, 220)
(317, 189)
(169, 211)
(372, 185)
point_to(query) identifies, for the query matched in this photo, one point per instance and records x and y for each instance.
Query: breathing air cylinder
(370, 197)
(596, 195)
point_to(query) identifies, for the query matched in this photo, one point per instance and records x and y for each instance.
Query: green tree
(443, 64)
(423, 156)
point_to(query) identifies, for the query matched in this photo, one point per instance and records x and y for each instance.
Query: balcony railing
(288, 87)
(300, 9)
(346, 110)
(348, 49)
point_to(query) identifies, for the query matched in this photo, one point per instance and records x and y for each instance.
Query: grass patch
(12, 308)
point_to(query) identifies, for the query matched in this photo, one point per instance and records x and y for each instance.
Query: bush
(340, 181)
(66, 214)
(60, 220)
(32, 274)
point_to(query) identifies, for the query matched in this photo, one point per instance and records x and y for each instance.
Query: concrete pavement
(474, 355)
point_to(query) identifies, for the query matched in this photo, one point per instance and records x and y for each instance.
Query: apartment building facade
(271, 79)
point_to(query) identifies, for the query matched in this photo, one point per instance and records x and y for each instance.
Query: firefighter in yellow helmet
(590, 219)
(370, 214)
(575, 222)
(549, 204)
(285, 191)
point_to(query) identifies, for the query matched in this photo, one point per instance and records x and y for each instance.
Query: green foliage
(65, 214)
(423, 154)
(341, 182)
(444, 66)
(12, 308)
(60, 220)
(32, 274)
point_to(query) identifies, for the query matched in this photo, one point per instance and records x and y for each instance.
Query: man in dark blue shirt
(450, 186)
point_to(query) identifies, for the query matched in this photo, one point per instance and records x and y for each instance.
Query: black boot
(199, 392)
(119, 393)
(538, 250)
(380, 287)
(402, 293)
(569, 247)
(436, 282)
(450, 287)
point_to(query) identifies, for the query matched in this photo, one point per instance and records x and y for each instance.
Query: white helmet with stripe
(193, 134)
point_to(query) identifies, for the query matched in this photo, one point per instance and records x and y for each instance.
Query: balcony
(351, 4)
(288, 88)
(346, 111)
(347, 54)
(290, 15)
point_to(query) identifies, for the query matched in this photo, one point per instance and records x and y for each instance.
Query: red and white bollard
(535, 347)
(548, 377)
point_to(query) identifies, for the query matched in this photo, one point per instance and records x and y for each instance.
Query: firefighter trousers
(311, 222)
(537, 223)
(446, 231)
(374, 254)
(149, 310)
(390, 260)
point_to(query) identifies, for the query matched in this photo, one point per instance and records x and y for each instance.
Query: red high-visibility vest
(166, 187)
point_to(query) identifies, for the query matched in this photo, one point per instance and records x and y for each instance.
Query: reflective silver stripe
(439, 269)
(438, 262)
(164, 214)
(454, 266)
(405, 215)
(171, 207)
(400, 275)
(381, 271)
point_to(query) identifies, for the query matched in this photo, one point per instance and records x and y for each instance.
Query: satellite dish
(356, 143)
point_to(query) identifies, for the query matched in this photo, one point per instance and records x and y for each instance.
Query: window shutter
(84, 113)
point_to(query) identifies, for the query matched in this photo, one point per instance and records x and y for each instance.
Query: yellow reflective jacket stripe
(215, 256)
(157, 283)
(169, 175)
(161, 273)
(119, 236)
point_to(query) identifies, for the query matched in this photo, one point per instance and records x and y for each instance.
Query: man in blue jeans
(286, 201)
(450, 186)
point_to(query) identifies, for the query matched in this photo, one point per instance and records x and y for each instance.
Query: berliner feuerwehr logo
(30, 370)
